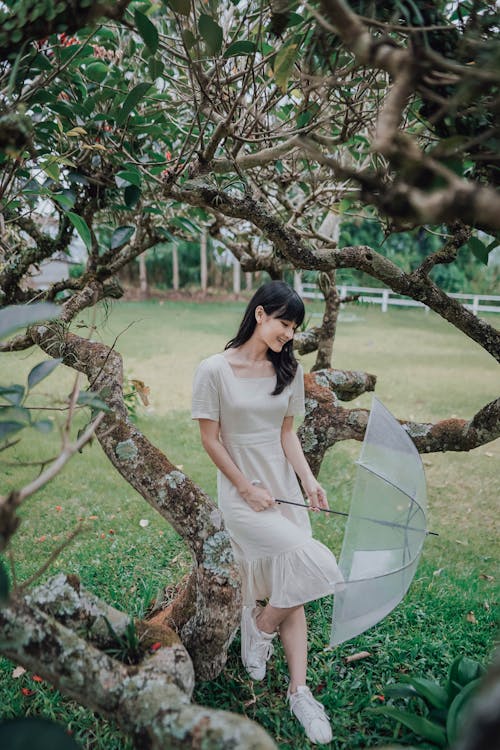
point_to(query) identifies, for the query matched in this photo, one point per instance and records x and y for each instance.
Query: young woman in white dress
(245, 399)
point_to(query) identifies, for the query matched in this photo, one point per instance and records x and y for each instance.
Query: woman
(245, 399)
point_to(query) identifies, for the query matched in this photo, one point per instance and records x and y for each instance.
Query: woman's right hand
(258, 497)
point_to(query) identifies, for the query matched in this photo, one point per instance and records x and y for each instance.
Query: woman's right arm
(258, 498)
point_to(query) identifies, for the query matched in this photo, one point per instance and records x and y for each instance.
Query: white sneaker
(256, 646)
(311, 715)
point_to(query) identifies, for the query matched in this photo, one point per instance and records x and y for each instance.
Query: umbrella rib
(388, 481)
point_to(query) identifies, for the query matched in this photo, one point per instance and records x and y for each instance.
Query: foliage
(115, 122)
(445, 705)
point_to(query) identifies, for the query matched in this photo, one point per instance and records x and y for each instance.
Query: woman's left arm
(294, 453)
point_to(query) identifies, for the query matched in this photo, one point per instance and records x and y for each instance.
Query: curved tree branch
(327, 423)
(289, 244)
(207, 621)
(150, 701)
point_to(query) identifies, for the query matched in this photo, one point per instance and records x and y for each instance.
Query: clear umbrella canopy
(385, 530)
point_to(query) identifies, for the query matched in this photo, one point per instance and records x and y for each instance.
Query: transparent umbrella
(385, 530)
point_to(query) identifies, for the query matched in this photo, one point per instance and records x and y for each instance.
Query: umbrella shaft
(364, 518)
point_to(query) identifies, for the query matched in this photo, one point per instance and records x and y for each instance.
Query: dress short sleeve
(296, 405)
(205, 402)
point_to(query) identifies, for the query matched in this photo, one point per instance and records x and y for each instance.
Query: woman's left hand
(315, 494)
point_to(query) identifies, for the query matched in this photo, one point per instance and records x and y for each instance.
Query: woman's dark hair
(280, 301)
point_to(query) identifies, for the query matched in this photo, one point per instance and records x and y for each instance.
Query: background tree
(162, 119)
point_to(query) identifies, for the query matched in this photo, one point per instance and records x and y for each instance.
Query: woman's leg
(293, 633)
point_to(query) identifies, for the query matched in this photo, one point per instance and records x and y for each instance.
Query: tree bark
(289, 244)
(150, 700)
(203, 260)
(326, 334)
(327, 423)
(209, 614)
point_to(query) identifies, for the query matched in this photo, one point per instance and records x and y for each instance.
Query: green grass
(426, 370)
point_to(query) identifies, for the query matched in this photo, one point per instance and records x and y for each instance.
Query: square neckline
(237, 377)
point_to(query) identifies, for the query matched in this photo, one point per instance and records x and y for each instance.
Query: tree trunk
(207, 612)
(326, 334)
(175, 267)
(149, 700)
(203, 260)
(236, 277)
(143, 277)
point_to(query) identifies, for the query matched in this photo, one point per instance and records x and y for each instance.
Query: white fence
(386, 297)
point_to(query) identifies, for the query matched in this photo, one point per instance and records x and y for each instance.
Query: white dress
(277, 555)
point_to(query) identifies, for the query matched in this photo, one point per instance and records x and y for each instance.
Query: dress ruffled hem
(290, 578)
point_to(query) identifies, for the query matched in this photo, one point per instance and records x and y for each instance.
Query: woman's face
(275, 332)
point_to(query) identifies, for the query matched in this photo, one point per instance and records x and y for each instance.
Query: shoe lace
(309, 707)
(264, 650)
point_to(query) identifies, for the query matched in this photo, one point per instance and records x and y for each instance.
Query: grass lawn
(426, 371)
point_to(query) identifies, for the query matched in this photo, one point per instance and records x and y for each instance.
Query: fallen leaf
(41, 538)
(59, 508)
(438, 572)
(18, 672)
(27, 691)
(487, 453)
(470, 617)
(103, 536)
(357, 657)
(93, 518)
(111, 531)
(459, 541)
(37, 678)
(486, 605)
(486, 577)
(143, 391)
(379, 697)
(155, 646)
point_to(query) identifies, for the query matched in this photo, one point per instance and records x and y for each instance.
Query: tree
(259, 125)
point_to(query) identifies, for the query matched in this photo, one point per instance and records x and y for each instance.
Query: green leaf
(283, 65)
(244, 47)
(51, 169)
(65, 201)
(133, 177)
(15, 414)
(180, 6)
(147, 30)
(478, 249)
(35, 734)
(131, 195)
(41, 371)
(132, 100)
(43, 425)
(429, 690)
(13, 317)
(188, 38)
(10, 427)
(456, 713)
(89, 398)
(14, 394)
(156, 68)
(462, 671)
(398, 690)
(418, 724)
(4, 592)
(97, 71)
(81, 227)
(120, 236)
(211, 33)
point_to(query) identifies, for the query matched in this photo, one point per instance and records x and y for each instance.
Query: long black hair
(280, 301)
